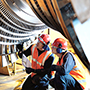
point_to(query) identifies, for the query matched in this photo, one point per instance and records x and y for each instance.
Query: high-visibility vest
(38, 61)
(77, 72)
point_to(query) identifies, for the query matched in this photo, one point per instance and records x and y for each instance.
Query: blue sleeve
(69, 63)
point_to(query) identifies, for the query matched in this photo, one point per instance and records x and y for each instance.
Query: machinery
(22, 21)
(69, 17)
(17, 26)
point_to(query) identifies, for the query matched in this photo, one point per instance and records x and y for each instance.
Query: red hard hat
(44, 38)
(60, 43)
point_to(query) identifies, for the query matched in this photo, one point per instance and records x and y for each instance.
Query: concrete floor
(10, 82)
(13, 81)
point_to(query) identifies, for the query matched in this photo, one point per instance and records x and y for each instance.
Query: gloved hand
(20, 47)
(29, 70)
(52, 68)
(49, 74)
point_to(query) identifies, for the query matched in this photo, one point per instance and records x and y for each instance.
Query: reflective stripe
(33, 49)
(32, 55)
(79, 65)
(78, 73)
(42, 40)
(45, 58)
(36, 61)
(81, 81)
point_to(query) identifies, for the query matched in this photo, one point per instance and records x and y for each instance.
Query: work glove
(20, 47)
(52, 68)
(29, 70)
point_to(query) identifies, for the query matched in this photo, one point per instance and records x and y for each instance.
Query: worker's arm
(43, 71)
(47, 65)
(26, 52)
(69, 63)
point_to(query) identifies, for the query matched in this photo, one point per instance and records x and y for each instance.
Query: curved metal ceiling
(17, 25)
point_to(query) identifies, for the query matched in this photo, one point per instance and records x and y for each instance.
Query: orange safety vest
(38, 61)
(77, 72)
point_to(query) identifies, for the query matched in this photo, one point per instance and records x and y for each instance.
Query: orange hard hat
(45, 39)
(60, 43)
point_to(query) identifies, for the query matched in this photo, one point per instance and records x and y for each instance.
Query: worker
(42, 59)
(69, 72)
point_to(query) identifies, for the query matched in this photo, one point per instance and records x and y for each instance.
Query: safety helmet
(60, 43)
(45, 39)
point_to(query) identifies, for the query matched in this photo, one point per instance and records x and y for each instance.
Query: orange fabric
(77, 72)
(52, 73)
(60, 63)
(38, 59)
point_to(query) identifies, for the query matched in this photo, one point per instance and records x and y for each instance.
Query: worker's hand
(52, 68)
(49, 74)
(29, 70)
(20, 47)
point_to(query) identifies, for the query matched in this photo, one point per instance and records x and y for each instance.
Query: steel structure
(18, 23)
(60, 15)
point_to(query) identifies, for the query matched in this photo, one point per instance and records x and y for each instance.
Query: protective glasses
(53, 47)
(39, 42)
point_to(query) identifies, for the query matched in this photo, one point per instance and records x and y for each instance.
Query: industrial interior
(23, 21)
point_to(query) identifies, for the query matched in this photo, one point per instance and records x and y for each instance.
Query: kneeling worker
(42, 59)
(69, 72)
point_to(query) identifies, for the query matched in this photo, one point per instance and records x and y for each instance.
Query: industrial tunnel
(22, 21)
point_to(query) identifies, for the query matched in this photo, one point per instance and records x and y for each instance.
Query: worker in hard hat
(42, 59)
(69, 72)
